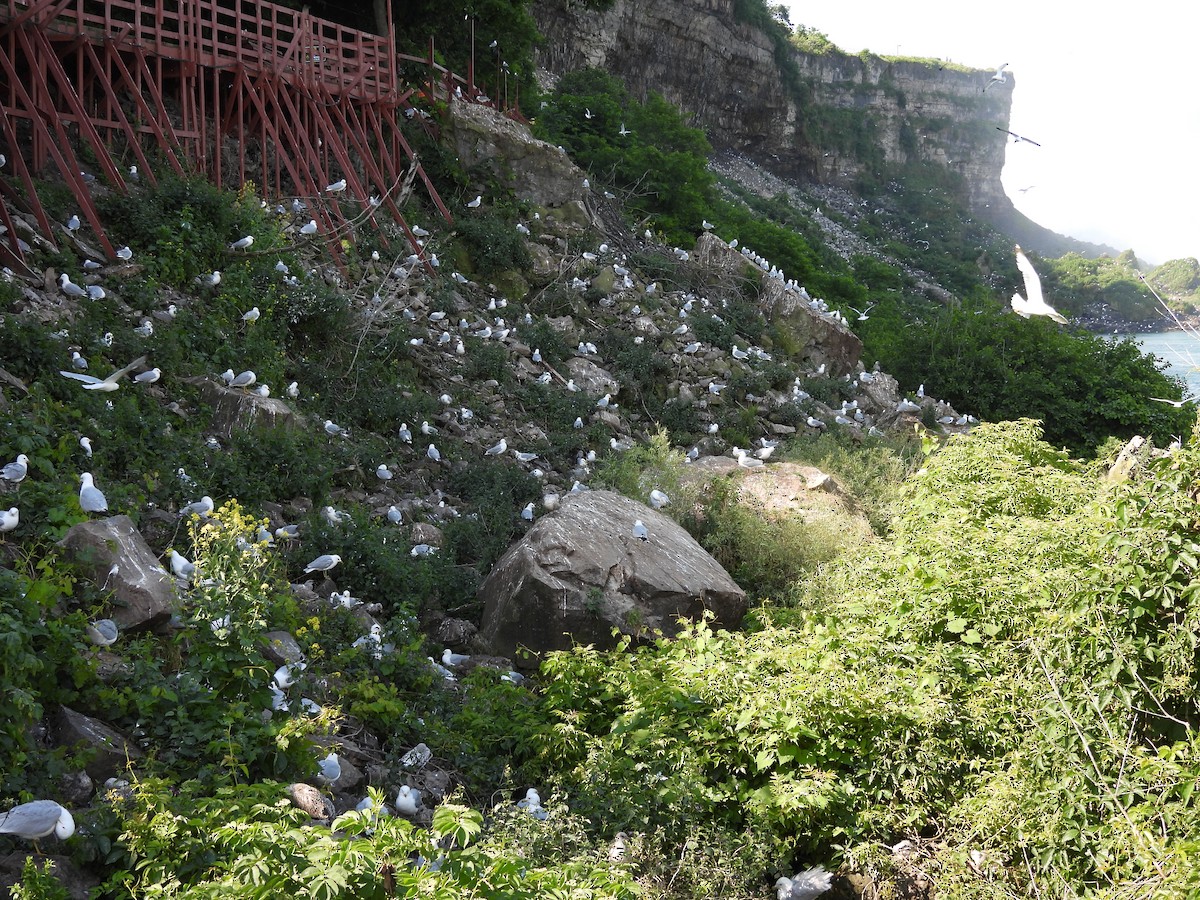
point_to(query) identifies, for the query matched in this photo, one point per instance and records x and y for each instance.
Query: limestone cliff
(824, 117)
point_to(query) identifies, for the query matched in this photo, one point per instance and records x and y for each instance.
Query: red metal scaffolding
(190, 85)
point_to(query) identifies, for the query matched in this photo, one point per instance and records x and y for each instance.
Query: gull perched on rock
(1036, 304)
(90, 497)
(408, 801)
(454, 660)
(805, 885)
(149, 376)
(329, 769)
(70, 288)
(38, 820)
(497, 449)
(640, 532)
(181, 567)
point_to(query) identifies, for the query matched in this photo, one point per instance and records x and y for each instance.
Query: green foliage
(185, 226)
(39, 883)
(493, 244)
(661, 167)
(767, 554)
(1179, 280)
(465, 29)
(1076, 283)
(981, 358)
(1015, 665)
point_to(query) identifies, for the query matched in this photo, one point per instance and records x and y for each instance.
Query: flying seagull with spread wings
(1018, 138)
(1036, 305)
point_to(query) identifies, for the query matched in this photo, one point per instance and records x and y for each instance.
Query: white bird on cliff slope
(1036, 305)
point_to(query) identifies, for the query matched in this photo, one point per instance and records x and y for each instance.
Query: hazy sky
(1108, 89)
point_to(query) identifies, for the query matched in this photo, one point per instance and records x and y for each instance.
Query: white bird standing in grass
(805, 885)
(1036, 305)
(9, 520)
(658, 499)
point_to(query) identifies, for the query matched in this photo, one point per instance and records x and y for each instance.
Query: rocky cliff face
(828, 117)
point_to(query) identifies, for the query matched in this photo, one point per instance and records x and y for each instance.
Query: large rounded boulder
(581, 572)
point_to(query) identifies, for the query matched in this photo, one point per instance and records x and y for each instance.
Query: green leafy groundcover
(1014, 671)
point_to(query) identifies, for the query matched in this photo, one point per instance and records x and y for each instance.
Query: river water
(1180, 350)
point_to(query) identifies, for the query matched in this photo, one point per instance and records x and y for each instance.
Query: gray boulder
(110, 751)
(236, 410)
(112, 553)
(579, 572)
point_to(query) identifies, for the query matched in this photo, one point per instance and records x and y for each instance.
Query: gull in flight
(1016, 140)
(1175, 403)
(1036, 304)
(998, 78)
(104, 385)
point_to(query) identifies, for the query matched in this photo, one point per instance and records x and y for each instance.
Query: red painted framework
(323, 101)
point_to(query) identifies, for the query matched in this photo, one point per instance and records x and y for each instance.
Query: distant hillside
(1179, 281)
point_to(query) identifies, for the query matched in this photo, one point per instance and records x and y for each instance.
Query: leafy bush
(982, 359)
(661, 167)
